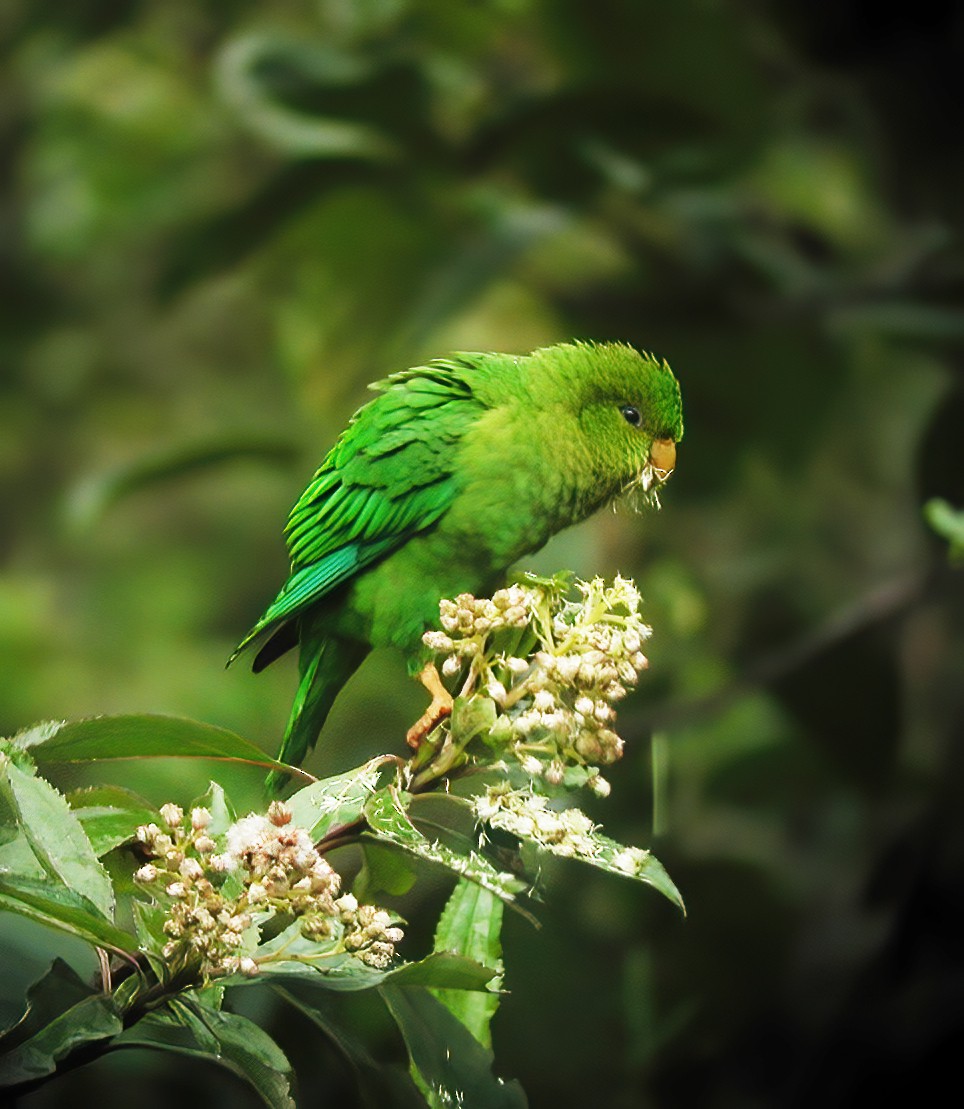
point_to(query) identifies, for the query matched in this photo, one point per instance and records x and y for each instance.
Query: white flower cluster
(555, 706)
(468, 621)
(566, 832)
(267, 865)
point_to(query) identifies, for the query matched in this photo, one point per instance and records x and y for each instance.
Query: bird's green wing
(391, 474)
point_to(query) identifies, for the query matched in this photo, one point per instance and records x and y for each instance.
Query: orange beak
(662, 454)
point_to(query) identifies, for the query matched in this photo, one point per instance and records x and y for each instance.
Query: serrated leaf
(450, 1066)
(446, 970)
(590, 846)
(63, 909)
(342, 974)
(335, 801)
(37, 733)
(110, 815)
(471, 925)
(145, 735)
(188, 1027)
(63, 1014)
(442, 970)
(649, 870)
(149, 926)
(388, 821)
(633, 863)
(57, 837)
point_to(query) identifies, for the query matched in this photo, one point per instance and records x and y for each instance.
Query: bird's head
(620, 413)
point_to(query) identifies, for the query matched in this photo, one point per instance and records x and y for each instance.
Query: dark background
(221, 219)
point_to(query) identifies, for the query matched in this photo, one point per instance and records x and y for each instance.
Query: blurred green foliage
(220, 220)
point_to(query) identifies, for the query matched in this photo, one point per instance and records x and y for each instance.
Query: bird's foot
(436, 712)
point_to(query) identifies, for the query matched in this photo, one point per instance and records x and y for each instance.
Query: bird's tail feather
(326, 664)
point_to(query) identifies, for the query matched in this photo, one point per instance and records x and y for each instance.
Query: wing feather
(391, 474)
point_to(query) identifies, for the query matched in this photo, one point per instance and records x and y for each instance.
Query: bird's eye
(631, 415)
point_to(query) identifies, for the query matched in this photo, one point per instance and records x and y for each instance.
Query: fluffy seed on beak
(662, 455)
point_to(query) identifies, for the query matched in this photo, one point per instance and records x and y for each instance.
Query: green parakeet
(454, 471)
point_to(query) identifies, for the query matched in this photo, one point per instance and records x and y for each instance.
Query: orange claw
(436, 712)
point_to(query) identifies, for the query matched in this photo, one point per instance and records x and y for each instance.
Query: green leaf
(471, 716)
(339, 974)
(36, 733)
(63, 909)
(449, 1065)
(17, 857)
(215, 800)
(471, 924)
(590, 846)
(56, 836)
(324, 806)
(149, 925)
(59, 988)
(346, 974)
(948, 522)
(188, 1027)
(446, 970)
(142, 736)
(110, 815)
(63, 1014)
(380, 1085)
(291, 945)
(389, 822)
(384, 870)
(635, 863)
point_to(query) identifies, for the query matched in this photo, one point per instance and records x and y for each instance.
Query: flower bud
(173, 815)
(532, 766)
(347, 904)
(554, 773)
(279, 814)
(437, 641)
(543, 701)
(191, 869)
(496, 690)
(600, 786)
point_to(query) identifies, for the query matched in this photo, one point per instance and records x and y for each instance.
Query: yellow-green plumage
(449, 475)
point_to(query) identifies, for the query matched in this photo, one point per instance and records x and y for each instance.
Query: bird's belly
(493, 523)
(394, 602)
